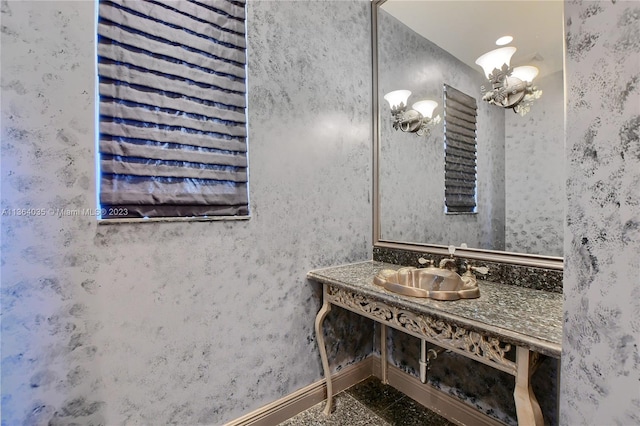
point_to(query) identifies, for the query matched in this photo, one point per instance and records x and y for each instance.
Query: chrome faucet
(449, 262)
(446, 263)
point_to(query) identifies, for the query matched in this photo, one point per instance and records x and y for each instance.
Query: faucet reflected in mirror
(417, 120)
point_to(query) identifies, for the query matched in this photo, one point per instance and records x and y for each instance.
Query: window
(460, 111)
(172, 85)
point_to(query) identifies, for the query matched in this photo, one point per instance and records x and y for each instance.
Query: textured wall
(534, 173)
(179, 322)
(412, 167)
(601, 360)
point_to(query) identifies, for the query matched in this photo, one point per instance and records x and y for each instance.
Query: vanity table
(484, 329)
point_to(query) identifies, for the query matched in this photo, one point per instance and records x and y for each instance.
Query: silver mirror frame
(531, 260)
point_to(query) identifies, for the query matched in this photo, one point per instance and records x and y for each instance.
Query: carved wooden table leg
(383, 354)
(527, 407)
(326, 307)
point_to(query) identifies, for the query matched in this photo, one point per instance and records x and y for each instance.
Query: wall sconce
(416, 120)
(510, 87)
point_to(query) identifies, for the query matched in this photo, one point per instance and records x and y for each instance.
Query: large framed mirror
(424, 46)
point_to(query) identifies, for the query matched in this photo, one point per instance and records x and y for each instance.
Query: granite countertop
(517, 315)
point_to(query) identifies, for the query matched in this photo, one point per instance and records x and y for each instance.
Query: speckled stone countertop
(517, 315)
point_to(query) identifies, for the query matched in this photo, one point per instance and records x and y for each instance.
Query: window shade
(172, 87)
(460, 111)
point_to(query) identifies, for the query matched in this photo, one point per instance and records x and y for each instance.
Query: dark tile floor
(370, 403)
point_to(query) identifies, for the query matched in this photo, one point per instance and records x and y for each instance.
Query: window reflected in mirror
(460, 152)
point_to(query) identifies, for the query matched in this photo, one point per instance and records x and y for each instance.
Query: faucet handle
(424, 261)
(452, 250)
(480, 269)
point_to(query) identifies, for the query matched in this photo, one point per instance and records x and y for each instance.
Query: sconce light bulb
(526, 73)
(397, 97)
(495, 59)
(425, 107)
(504, 40)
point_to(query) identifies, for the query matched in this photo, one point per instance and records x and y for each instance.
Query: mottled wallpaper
(534, 173)
(601, 356)
(179, 323)
(412, 167)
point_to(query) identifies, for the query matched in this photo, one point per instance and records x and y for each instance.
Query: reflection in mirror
(460, 152)
(422, 45)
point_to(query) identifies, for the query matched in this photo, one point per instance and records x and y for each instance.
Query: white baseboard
(305, 398)
(447, 406)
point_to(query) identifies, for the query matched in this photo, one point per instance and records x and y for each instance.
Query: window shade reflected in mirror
(460, 112)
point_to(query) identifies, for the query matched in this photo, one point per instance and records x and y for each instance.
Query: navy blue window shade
(460, 158)
(172, 83)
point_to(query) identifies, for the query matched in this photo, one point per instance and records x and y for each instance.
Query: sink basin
(433, 283)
